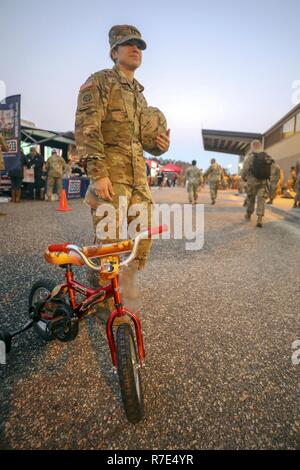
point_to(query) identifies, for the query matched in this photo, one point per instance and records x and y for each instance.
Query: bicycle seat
(61, 255)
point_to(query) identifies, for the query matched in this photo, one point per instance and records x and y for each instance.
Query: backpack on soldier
(261, 166)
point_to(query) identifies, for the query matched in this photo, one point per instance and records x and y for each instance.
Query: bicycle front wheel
(129, 374)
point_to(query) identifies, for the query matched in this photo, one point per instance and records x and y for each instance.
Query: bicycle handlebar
(66, 247)
(157, 230)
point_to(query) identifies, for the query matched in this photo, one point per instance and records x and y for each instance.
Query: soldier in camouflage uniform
(113, 127)
(275, 177)
(3, 147)
(194, 178)
(256, 188)
(55, 167)
(213, 174)
(297, 186)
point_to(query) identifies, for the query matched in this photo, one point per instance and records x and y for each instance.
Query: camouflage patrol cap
(119, 34)
(256, 145)
(153, 123)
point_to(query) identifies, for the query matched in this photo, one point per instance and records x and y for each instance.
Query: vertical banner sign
(10, 128)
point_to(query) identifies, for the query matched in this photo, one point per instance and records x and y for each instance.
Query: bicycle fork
(121, 311)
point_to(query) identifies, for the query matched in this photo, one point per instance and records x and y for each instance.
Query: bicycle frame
(96, 296)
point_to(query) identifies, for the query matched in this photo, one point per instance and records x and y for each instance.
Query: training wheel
(6, 337)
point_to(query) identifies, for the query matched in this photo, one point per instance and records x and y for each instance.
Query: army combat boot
(259, 221)
(247, 216)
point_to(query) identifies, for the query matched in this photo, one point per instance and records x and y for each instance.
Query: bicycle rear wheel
(129, 374)
(40, 291)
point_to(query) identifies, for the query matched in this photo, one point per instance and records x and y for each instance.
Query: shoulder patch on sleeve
(86, 100)
(87, 97)
(87, 84)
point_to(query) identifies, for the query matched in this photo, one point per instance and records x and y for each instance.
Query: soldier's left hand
(163, 141)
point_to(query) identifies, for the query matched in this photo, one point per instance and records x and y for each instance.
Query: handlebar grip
(157, 230)
(62, 247)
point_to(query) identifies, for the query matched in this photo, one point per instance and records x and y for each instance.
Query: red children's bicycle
(56, 310)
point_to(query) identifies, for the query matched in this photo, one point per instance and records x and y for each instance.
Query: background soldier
(274, 179)
(28, 162)
(113, 126)
(280, 183)
(55, 167)
(290, 186)
(256, 180)
(3, 148)
(213, 173)
(16, 176)
(38, 163)
(194, 178)
(297, 186)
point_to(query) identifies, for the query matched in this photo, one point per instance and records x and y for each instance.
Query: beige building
(282, 141)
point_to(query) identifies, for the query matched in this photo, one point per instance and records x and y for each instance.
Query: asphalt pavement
(218, 324)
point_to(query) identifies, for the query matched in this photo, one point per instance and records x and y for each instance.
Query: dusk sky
(215, 64)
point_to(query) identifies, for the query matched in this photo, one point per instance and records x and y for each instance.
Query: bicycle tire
(129, 374)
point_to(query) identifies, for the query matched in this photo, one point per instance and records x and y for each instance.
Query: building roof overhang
(32, 136)
(234, 143)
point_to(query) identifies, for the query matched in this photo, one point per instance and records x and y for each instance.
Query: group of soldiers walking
(195, 178)
(260, 173)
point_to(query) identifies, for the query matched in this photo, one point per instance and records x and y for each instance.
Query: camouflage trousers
(192, 189)
(52, 180)
(256, 191)
(213, 186)
(139, 195)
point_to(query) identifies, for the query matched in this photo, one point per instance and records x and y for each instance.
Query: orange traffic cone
(63, 202)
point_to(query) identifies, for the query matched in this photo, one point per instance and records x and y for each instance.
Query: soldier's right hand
(104, 188)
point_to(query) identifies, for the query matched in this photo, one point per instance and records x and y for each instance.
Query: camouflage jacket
(193, 175)
(3, 147)
(107, 128)
(56, 166)
(246, 172)
(214, 172)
